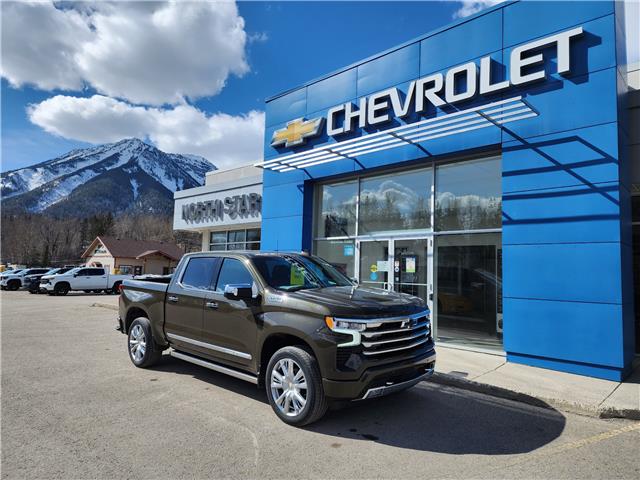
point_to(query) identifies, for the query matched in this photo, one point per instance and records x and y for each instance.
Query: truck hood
(361, 301)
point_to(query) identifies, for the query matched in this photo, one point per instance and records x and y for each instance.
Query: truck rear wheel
(115, 290)
(143, 351)
(294, 386)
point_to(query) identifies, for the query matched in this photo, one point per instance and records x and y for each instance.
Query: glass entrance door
(401, 265)
(411, 267)
(374, 263)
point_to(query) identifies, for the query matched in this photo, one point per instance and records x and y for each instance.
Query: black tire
(33, 292)
(152, 352)
(316, 403)
(13, 285)
(61, 289)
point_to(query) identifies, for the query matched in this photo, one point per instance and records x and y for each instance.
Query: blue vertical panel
(282, 200)
(475, 38)
(564, 269)
(582, 157)
(579, 338)
(563, 215)
(332, 91)
(286, 107)
(583, 102)
(390, 69)
(525, 21)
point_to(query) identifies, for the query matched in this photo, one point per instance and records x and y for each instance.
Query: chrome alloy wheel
(137, 343)
(288, 387)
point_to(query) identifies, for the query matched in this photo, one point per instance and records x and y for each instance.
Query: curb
(548, 403)
(105, 305)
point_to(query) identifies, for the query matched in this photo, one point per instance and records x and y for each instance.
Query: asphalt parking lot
(73, 406)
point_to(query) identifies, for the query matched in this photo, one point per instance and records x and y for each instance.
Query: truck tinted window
(199, 272)
(295, 272)
(95, 271)
(233, 272)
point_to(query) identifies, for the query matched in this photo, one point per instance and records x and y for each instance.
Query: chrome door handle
(211, 305)
(172, 298)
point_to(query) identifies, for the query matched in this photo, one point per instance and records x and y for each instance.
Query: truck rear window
(199, 272)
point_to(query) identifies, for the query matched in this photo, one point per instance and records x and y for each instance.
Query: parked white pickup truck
(14, 280)
(88, 279)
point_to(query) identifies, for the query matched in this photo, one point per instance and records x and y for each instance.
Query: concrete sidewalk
(491, 374)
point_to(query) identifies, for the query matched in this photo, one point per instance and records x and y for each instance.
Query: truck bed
(148, 296)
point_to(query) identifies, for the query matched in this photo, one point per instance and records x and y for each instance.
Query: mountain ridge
(128, 176)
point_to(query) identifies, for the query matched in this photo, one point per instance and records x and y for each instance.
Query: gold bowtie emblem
(296, 132)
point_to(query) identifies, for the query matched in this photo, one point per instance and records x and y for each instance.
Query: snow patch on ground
(136, 188)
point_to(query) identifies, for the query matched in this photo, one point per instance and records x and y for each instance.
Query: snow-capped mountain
(128, 175)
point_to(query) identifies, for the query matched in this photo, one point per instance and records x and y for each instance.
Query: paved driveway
(73, 406)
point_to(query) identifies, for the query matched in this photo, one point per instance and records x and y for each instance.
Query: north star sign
(437, 89)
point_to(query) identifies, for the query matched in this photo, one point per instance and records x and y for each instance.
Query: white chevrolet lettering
(456, 85)
(435, 82)
(469, 71)
(378, 102)
(331, 114)
(518, 63)
(485, 78)
(350, 114)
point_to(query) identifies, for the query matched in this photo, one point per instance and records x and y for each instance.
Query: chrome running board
(215, 367)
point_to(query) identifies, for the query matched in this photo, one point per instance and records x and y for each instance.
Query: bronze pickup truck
(288, 322)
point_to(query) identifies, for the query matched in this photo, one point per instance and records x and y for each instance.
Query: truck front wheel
(294, 386)
(61, 289)
(143, 351)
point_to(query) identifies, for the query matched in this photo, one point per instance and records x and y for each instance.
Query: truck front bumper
(379, 381)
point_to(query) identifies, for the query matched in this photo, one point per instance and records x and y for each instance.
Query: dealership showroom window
(389, 222)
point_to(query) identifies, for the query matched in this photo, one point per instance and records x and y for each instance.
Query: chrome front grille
(393, 335)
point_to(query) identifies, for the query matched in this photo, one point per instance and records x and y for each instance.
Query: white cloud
(38, 45)
(145, 52)
(225, 140)
(469, 7)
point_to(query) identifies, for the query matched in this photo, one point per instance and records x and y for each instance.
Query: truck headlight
(346, 327)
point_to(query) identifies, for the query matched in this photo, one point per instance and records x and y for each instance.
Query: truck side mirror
(238, 291)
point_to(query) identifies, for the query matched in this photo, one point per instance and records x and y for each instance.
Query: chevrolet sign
(296, 132)
(437, 89)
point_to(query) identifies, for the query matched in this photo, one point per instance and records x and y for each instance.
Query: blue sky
(288, 44)
(190, 78)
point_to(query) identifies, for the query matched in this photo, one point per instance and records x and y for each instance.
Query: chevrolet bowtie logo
(296, 132)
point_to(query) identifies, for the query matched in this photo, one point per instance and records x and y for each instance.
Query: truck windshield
(293, 272)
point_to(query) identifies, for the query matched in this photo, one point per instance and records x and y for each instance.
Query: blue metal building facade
(566, 220)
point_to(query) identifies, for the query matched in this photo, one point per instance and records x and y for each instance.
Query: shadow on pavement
(442, 419)
(428, 417)
(170, 364)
